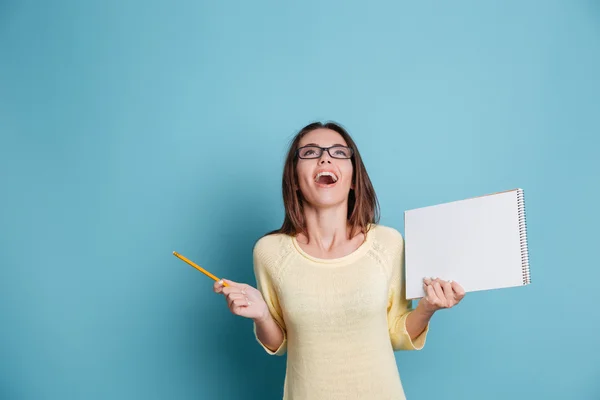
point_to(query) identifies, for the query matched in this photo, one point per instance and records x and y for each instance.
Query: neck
(326, 227)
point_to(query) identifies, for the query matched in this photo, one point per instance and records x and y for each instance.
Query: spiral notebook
(480, 242)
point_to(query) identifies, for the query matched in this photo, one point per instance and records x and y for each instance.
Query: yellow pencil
(199, 268)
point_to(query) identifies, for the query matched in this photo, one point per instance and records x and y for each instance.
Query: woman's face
(324, 181)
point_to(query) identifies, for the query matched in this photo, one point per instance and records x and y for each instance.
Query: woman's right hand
(243, 299)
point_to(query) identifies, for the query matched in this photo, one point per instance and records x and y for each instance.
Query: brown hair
(363, 207)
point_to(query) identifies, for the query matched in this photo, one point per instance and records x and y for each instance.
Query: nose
(325, 158)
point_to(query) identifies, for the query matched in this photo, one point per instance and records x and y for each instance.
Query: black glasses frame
(327, 149)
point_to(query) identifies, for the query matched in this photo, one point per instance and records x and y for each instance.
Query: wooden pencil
(199, 268)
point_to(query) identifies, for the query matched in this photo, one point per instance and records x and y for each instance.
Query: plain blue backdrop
(131, 129)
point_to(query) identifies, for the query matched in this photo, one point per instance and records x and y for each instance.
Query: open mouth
(326, 178)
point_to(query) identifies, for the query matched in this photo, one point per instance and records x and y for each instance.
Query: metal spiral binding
(523, 237)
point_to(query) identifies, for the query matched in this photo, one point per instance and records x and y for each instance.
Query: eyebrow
(314, 144)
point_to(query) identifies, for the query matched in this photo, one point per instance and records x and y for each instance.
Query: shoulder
(270, 242)
(271, 247)
(388, 244)
(386, 236)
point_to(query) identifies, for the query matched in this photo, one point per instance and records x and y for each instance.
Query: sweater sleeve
(264, 284)
(398, 306)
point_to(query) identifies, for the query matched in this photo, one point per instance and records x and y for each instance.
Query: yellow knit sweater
(342, 318)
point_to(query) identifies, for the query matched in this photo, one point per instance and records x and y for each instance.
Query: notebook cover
(478, 242)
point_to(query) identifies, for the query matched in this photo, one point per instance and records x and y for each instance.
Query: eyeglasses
(336, 151)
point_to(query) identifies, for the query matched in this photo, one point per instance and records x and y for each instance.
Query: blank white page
(475, 242)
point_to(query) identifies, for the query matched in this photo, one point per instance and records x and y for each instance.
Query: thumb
(230, 282)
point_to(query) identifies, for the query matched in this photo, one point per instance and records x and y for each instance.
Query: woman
(330, 280)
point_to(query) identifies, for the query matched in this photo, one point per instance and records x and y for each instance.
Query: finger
(437, 287)
(218, 286)
(427, 281)
(232, 283)
(241, 310)
(246, 289)
(448, 292)
(243, 302)
(236, 286)
(432, 297)
(459, 291)
(239, 303)
(231, 289)
(232, 297)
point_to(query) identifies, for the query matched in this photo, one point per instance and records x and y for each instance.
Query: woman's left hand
(440, 294)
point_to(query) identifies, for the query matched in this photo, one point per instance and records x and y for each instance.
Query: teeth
(326, 173)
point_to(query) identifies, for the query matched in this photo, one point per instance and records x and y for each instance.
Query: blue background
(132, 129)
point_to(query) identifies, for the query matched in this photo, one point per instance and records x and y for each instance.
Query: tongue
(325, 180)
